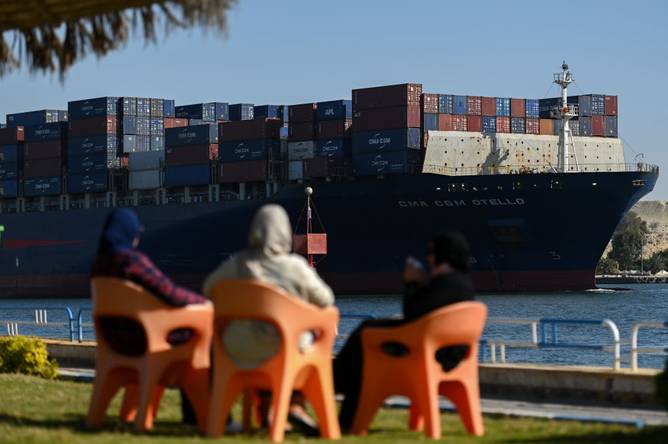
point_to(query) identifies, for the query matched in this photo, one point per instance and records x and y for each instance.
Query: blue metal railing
(24, 318)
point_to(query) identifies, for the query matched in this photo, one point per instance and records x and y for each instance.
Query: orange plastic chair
(145, 377)
(290, 369)
(417, 375)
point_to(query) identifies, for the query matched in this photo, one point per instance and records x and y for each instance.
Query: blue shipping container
(40, 117)
(129, 143)
(8, 188)
(532, 108)
(11, 153)
(169, 108)
(183, 175)
(191, 135)
(143, 126)
(48, 131)
(157, 143)
(90, 163)
(430, 121)
(335, 110)
(143, 107)
(503, 106)
(339, 147)
(388, 162)
(517, 125)
(445, 103)
(222, 111)
(97, 144)
(597, 104)
(101, 106)
(488, 124)
(585, 125)
(43, 186)
(574, 126)
(459, 104)
(610, 126)
(87, 183)
(128, 106)
(386, 140)
(157, 126)
(248, 150)
(241, 111)
(129, 125)
(8, 170)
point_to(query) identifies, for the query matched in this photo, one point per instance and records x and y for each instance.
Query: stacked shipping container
(246, 148)
(301, 138)
(190, 150)
(11, 160)
(45, 151)
(386, 129)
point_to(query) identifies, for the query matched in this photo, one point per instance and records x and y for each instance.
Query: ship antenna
(565, 112)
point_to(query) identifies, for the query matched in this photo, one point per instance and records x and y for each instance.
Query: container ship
(536, 185)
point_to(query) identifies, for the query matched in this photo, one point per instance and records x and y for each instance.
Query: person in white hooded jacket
(268, 259)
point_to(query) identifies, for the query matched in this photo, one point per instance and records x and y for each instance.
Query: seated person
(448, 281)
(268, 258)
(117, 256)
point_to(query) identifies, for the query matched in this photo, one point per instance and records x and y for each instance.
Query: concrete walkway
(497, 407)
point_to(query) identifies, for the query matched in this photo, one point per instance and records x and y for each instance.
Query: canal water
(641, 302)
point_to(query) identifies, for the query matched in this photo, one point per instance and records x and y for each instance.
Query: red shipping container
(387, 96)
(301, 131)
(474, 105)
(430, 103)
(46, 149)
(42, 168)
(598, 126)
(9, 136)
(488, 106)
(191, 154)
(332, 129)
(610, 105)
(517, 108)
(452, 122)
(387, 118)
(326, 167)
(474, 123)
(547, 127)
(171, 122)
(302, 113)
(92, 126)
(247, 171)
(532, 125)
(250, 129)
(502, 124)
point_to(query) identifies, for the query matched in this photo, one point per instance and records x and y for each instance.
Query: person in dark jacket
(117, 256)
(447, 281)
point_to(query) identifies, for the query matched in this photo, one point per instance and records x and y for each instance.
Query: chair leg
(416, 419)
(428, 405)
(195, 385)
(148, 392)
(465, 395)
(366, 410)
(281, 394)
(129, 405)
(249, 403)
(319, 390)
(222, 398)
(104, 389)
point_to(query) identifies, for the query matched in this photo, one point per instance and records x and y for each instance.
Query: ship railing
(545, 335)
(490, 170)
(36, 320)
(656, 350)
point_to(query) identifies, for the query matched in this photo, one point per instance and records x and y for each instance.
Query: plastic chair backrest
(115, 297)
(250, 299)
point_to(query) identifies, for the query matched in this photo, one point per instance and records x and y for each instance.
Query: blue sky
(302, 50)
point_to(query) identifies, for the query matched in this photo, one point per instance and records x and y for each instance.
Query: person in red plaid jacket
(117, 256)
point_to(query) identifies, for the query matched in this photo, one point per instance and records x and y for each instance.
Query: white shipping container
(145, 180)
(151, 160)
(301, 150)
(296, 170)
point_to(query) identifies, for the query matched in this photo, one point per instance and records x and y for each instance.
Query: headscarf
(270, 231)
(451, 247)
(119, 231)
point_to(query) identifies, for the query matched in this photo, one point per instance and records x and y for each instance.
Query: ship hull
(530, 232)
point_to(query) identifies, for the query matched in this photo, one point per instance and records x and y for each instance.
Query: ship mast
(565, 112)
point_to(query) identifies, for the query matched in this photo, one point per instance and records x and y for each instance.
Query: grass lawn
(39, 411)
